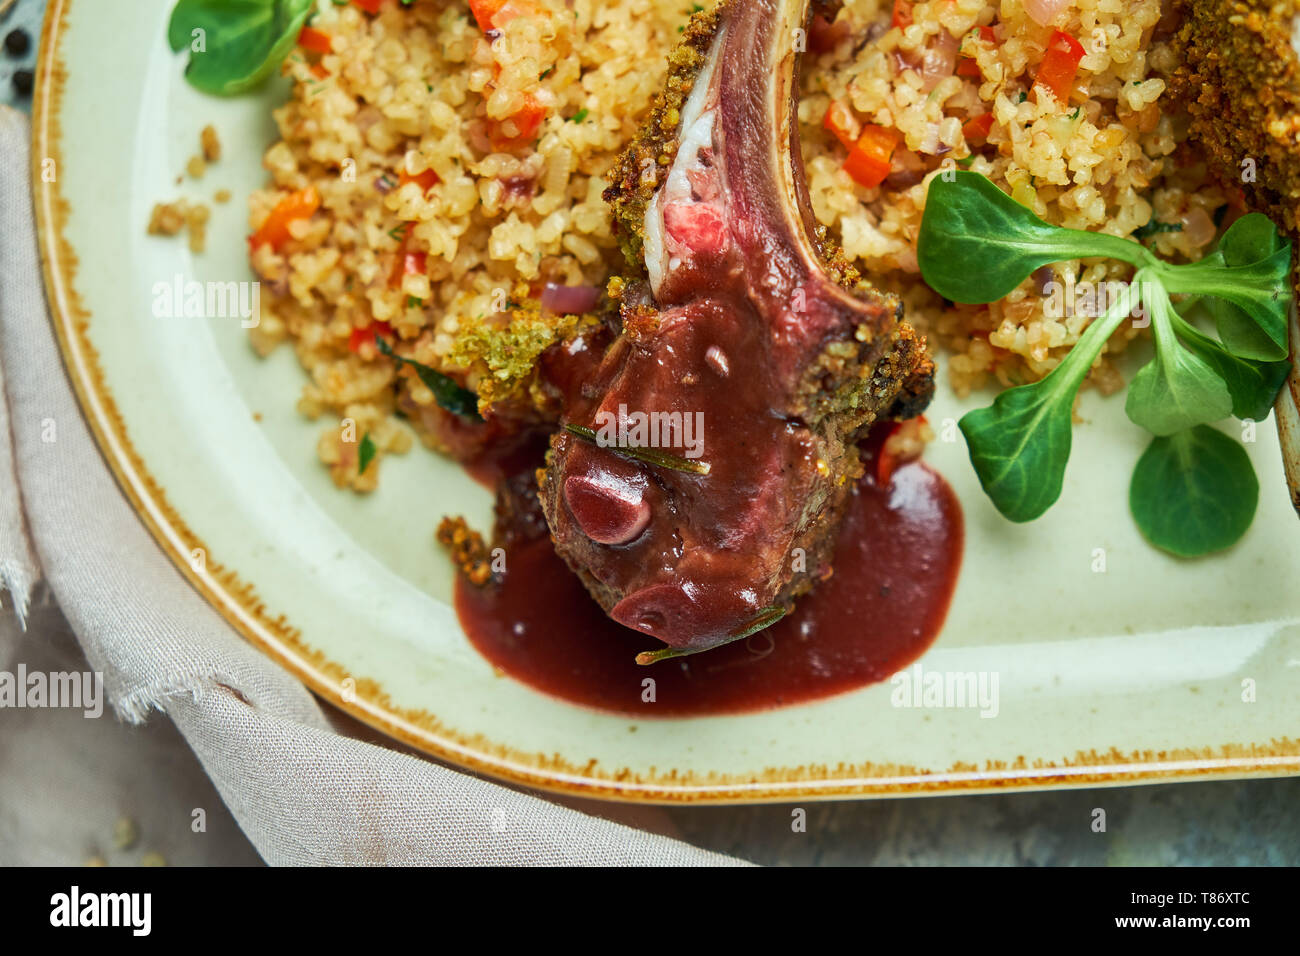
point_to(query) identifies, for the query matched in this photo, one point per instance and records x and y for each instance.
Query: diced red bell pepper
(868, 161)
(360, 337)
(426, 180)
(978, 128)
(407, 263)
(370, 6)
(886, 460)
(414, 263)
(317, 41)
(841, 122)
(527, 119)
(274, 230)
(966, 65)
(1060, 65)
(494, 14)
(902, 14)
(483, 11)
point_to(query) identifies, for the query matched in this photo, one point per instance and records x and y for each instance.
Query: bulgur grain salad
(459, 171)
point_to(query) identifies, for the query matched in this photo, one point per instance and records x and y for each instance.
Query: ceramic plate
(1115, 663)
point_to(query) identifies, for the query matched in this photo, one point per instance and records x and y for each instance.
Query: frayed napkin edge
(18, 581)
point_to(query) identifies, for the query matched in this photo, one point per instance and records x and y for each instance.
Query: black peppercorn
(17, 42)
(23, 82)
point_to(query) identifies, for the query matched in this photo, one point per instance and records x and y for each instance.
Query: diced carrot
(1060, 65)
(527, 120)
(370, 6)
(978, 128)
(425, 180)
(902, 14)
(274, 231)
(319, 71)
(868, 161)
(317, 41)
(842, 123)
(360, 337)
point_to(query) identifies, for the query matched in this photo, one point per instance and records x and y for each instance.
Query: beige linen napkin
(302, 792)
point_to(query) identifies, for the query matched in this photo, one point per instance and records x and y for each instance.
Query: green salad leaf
(235, 44)
(977, 243)
(1020, 444)
(1250, 239)
(1178, 389)
(1252, 385)
(1248, 280)
(1194, 492)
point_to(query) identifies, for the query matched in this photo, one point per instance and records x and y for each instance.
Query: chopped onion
(1043, 12)
(906, 169)
(569, 299)
(930, 143)
(1198, 227)
(939, 61)
(1043, 277)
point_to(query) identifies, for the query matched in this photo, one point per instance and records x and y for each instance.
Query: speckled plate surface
(1150, 669)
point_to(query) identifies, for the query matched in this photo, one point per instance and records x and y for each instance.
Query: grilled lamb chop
(734, 317)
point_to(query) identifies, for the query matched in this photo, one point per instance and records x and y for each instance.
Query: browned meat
(1239, 79)
(760, 370)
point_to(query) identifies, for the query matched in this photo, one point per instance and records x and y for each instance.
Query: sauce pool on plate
(895, 568)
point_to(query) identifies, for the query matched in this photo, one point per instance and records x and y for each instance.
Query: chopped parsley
(446, 391)
(366, 455)
(1155, 227)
